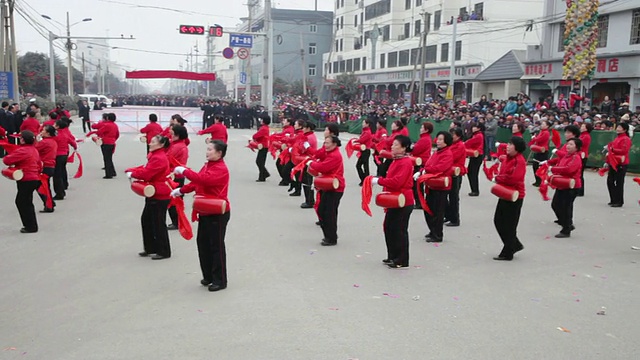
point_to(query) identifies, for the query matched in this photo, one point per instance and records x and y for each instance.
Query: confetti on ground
(356, 285)
(547, 237)
(200, 311)
(358, 256)
(573, 275)
(635, 248)
(333, 308)
(10, 349)
(603, 311)
(563, 329)
(417, 267)
(436, 245)
(377, 297)
(535, 299)
(577, 300)
(597, 266)
(368, 253)
(456, 298)
(393, 296)
(604, 277)
(416, 298)
(312, 251)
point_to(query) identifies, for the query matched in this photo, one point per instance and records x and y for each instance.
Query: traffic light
(216, 31)
(191, 29)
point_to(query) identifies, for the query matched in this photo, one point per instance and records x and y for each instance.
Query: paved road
(78, 290)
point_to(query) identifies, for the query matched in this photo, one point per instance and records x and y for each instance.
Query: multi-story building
(617, 72)
(96, 54)
(486, 30)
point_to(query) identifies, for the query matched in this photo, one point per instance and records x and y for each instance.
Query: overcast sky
(155, 30)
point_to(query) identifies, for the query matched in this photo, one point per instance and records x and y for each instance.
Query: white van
(92, 98)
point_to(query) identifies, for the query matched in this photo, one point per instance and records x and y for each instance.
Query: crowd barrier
(130, 119)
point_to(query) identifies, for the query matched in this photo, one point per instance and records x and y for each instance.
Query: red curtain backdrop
(170, 74)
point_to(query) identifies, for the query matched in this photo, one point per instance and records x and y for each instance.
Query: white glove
(606, 147)
(176, 192)
(554, 151)
(374, 181)
(290, 149)
(179, 170)
(128, 174)
(416, 176)
(493, 180)
(542, 163)
(306, 145)
(497, 143)
(309, 162)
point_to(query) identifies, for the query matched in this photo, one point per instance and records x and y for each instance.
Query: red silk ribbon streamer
(46, 191)
(285, 157)
(7, 146)
(91, 133)
(367, 194)
(637, 180)
(555, 138)
(299, 169)
(492, 171)
(349, 148)
(184, 226)
(423, 194)
(543, 174)
(80, 166)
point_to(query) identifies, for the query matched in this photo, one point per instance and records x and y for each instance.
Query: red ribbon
(7, 146)
(423, 194)
(299, 168)
(46, 191)
(184, 226)
(285, 157)
(80, 166)
(543, 174)
(492, 171)
(367, 194)
(349, 148)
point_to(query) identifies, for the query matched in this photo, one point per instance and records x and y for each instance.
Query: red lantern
(341, 86)
(387, 91)
(376, 91)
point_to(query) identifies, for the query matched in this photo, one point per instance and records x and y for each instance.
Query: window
(382, 58)
(418, 2)
(355, 21)
(386, 30)
(335, 67)
(444, 52)
(312, 48)
(343, 65)
(356, 64)
(337, 4)
(407, 30)
(458, 50)
(427, 24)
(337, 23)
(337, 45)
(436, 20)
(342, 3)
(403, 58)
(416, 28)
(603, 30)
(367, 35)
(379, 8)
(312, 70)
(341, 43)
(364, 63)
(327, 68)
(635, 27)
(415, 56)
(392, 59)
(479, 10)
(350, 65)
(561, 38)
(313, 28)
(341, 22)
(407, 4)
(431, 54)
(357, 43)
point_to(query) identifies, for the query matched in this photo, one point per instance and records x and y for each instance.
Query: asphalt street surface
(78, 290)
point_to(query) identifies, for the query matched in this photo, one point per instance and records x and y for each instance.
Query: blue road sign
(243, 41)
(6, 85)
(243, 78)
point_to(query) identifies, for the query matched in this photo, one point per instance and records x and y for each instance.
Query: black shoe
(58, 198)
(205, 282)
(27, 231)
(144, 254)
(304, 205)
(536, 184)
(360, 184)
(266, 176)
(616, 205)
(215, 287)
(102, 169)
(428, 236)
(387, 261)
(172, 227)
(393, 265)
(107, 177)
(610, 203)
(561, 235)
(319, 223)
(434, 240)
(519, 248)
(557, 221)
(580, 195)
(453, 224)
(283, 183)
(261, 180)
(474, 194)
(417, 207)
(46, 210)
(159, 257)
(326, 243)
(503, 258)
(297, 193)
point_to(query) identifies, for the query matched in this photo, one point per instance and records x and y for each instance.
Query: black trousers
(286, 171)
(24, 203)
(286, 179)
(261, 159)
(107, 156)
(562, 205)
(86, 125)
(155, 236)
(49, 172)
(452, 210)
(536, 164)
(437, 202)
(211, 249)
(328, 214)
(384, 167)
(396, 234)
(362, 166)
(60, 177)
(474, 171)
(506, 219)
(584, 166)
(416, 196)
(615, 184)
(173, 213)
(307, 188)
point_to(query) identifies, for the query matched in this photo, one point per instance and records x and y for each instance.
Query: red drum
(561, 182)
(209, 206)
(417, 161)
(385, 154)
(439, 183)
(456, 170)
(326, 183)
(472, 153)
(538, 149)
(96, 140)
(143, 188)
(359, 146)
(390, 200)
(12, 173)
(254, 145)
(505, 193)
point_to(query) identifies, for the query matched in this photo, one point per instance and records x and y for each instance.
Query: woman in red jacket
(155, 237)
(178, 155)
(440, 163)
(309, 147)
(422, 149)
(380, 137)
(213, 182)
(569, 166)
(262, 137)
(459, 154)
(109, 133)
(542, 139)
(331, 166)
(151, 129)
(507, 214)
(476, 142)
(585, 137)
(619, 147)
(366, 139)
(396, 220)
(218, 130)
(47, 149)
(64, 139)
(26, 158)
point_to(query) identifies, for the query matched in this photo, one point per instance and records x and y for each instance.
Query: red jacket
(178, 152)
(151, 130)
(404, 131)
(218, 132)
(312, 143)
(366, 138)
(48, 150)
(27, 159)
(586, 143)
(262, 136)
(288, 132)
(107, 131)
(211, 181)
(48, 122)
(31, 124)
(621, 146)
(476, 142)
(422, 148)
(379, 135)
(400, 179)
(440, 162)
(64, 140)
(331, 165)
(542, 139)
(570, 166)
(459, 154)
(155, 172)
(512, 172)
(389, 139)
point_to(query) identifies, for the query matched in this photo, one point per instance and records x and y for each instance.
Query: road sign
(216, 31)
(449, 93)
(243, 78)
(242, 41)
(191, 29)
(242, 53)
(6, 85)
(227, 53)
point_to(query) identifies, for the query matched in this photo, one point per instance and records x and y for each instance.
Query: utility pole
(423, 55)
(209, 39)
(84, 76)
(304, 69)
(267, 66)
(373, 36)
(99, 76)
(247, 91)
(452, 68)
(196, 88)
(14, 52)
(69, 65)
(3, 18)
(107, 80)
(52, 72)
